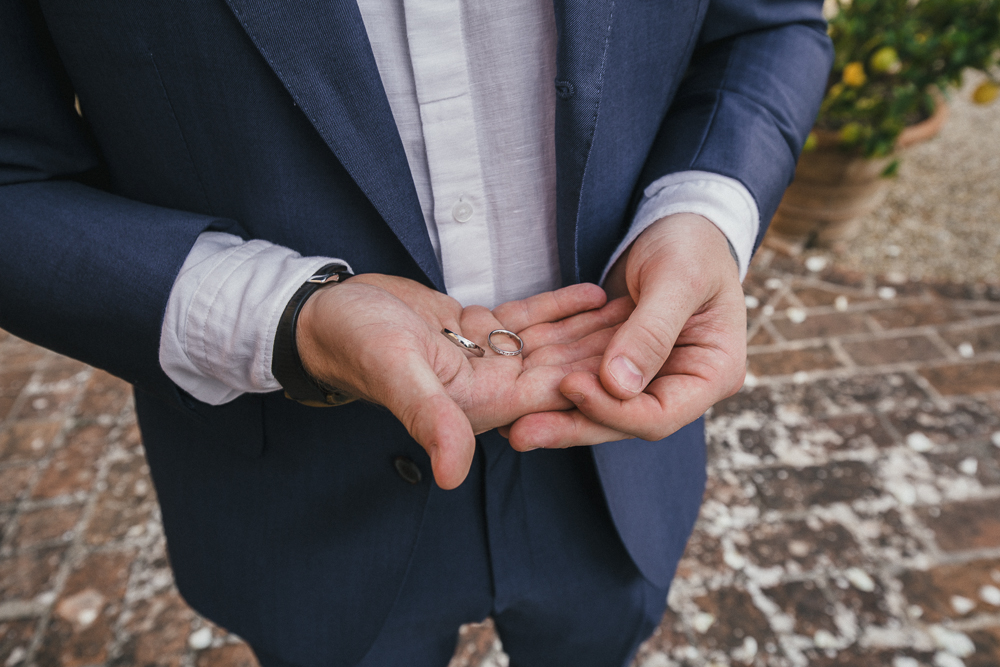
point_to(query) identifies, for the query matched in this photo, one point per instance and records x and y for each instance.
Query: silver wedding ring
(509, 334)
(464, 342)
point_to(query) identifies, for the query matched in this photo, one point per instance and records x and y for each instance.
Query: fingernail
(626, 373)
(575, 397)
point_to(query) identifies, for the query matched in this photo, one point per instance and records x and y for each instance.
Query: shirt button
(407, 469)
(462, 211)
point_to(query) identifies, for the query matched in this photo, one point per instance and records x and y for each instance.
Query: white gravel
(941, 217)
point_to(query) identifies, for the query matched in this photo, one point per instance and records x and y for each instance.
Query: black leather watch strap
(286, 365)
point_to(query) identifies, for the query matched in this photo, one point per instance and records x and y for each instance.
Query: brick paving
(852, 516)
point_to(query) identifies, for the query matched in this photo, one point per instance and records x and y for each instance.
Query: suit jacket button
(565, 89)
(408, 470)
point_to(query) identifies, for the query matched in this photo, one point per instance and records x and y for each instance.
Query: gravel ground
(941, 218)
(852, 516)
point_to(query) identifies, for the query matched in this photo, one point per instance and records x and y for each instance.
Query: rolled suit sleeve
(722, 200)
(749, 98)
(82, 271)
(218, 331)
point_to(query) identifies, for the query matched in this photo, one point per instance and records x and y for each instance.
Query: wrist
(287, 364)
(685, 237)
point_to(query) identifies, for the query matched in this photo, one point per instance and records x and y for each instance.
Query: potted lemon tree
(895, 62)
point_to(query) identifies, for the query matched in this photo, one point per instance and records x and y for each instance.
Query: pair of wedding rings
(469, 346)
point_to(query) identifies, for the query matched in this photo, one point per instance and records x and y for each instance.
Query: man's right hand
(379, 337)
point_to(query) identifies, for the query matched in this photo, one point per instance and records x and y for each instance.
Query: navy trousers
(528, 540)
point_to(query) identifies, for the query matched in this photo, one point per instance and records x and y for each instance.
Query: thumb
(435, 421)
(641, 345)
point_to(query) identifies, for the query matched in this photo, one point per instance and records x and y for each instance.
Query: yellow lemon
(885, 60)
(986, 92)
(811, 142)
(850, 133)
(854, 75)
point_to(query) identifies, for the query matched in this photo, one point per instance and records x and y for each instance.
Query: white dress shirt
(471, 88)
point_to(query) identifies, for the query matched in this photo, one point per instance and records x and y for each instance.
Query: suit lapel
(584, 28)
(320, 51)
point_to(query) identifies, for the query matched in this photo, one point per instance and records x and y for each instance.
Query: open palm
(379, 337)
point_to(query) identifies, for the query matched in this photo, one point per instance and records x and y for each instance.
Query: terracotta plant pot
(834, 189)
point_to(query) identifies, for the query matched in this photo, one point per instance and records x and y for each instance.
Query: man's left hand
(682, 349)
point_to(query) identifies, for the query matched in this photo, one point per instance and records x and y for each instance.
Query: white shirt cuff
(723, 200)
(222, 314)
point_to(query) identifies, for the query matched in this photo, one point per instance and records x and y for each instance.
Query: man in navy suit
(260, 127)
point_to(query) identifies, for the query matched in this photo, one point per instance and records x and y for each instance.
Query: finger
(536, 390)
(549, 306)
(644, 341)
(669, 402)
(593, 345)
(434, 420)
(476, 324)
(558, 430)
(350, 351)
(577, 326)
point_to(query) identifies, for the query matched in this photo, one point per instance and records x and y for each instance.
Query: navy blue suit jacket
(268, 119)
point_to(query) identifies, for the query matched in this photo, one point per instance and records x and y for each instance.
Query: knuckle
(656, 432)
(557, 330)
(564, 302)
(647, 344)
(507, 311)
(410, 416)
(650, 432)
(477, 311)
(545, 356)
(739, 378)
(524, 308)
(612, 422)
(513, 315)
(581, 433)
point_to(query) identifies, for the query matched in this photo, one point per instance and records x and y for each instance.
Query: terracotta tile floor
(852, 517)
